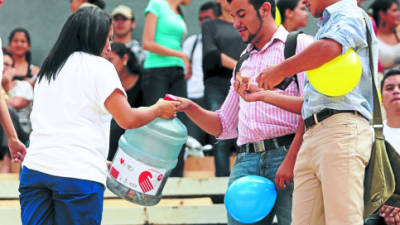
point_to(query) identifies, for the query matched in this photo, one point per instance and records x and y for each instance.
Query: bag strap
(377, 116)
(194, 47)
(241, 60)
(290, 50)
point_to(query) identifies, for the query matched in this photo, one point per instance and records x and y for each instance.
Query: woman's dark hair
(120, 49)
(286, 4)
(180, 11)
(381, 5)
(28, 54)
(100, 3)
(85, 30)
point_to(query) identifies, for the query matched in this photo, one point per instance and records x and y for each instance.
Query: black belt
(324, 114)
(267, 145)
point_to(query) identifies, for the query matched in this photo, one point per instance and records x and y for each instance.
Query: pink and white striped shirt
(256, 121)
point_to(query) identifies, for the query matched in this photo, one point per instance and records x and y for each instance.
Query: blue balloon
(249, 199)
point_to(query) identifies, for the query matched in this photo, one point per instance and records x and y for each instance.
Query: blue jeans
(265, 164)
(375, 219)
(54, 200)
(216, 90)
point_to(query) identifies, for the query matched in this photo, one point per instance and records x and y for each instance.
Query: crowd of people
(313, 146)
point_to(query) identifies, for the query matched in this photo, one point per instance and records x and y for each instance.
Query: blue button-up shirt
(344, 22)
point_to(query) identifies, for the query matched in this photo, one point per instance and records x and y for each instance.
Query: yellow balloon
(338, 76)
(277, 16)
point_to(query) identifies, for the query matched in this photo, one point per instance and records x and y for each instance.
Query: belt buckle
(259, 146)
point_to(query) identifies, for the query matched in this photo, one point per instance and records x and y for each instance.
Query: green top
(169, 32)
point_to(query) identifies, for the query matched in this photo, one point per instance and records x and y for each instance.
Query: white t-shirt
(392, 135)
(389, 55)
(1, 62)
(195, 84)
(70, 123)
(23, 89)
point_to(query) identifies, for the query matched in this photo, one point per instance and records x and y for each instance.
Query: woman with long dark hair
(387, 15)
(78, 91)
(19, 43)
(128, 70)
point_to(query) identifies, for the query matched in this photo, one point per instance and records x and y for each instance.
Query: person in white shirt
(193, 47)
(390, 88)
(78, 91)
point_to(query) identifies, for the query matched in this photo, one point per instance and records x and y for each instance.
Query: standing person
(386, 14)
(17, 149)
(293, 14)
(128, 70)
(222, 46)
(337, 142)
(19, 43)
(76, 4)
(390, 92)
(19, 95)
(7, 73)
(193, 47)
(123, 25)
(264, 131)
(165, 61)
(64, 172)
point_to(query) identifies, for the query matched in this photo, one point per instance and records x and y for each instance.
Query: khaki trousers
(329, 172)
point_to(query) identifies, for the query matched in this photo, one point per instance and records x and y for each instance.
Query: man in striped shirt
(264, 131)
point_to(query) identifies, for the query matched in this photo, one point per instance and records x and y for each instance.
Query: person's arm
(17, 102)
(227, 61)
(310, 58)
(284, 175)
(17, 149)
(150, 45)
(253, 93)
(130, 118)
(207, 120)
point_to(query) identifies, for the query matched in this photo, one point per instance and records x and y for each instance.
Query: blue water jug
(144, 160)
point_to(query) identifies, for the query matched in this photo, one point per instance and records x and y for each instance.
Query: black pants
(160, 81)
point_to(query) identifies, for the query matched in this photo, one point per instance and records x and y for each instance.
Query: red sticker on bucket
(114, 173)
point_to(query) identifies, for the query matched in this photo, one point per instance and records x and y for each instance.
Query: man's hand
(184, 104)
(269, 78)
(284, 175)
(17, 149)
(390, 214)
(249, 92)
